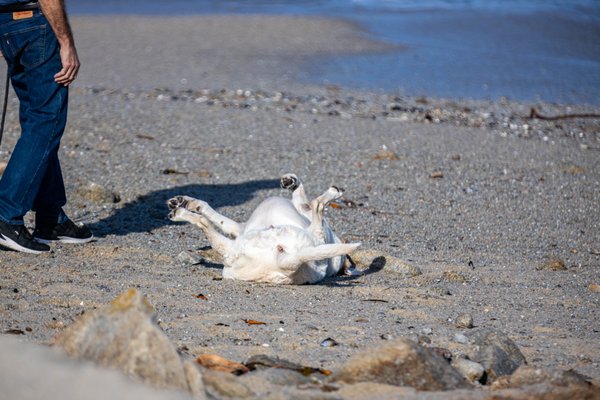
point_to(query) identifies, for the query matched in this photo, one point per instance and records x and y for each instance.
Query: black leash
(5, 105)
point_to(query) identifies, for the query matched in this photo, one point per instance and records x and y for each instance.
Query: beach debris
(329, 342)
(454, 276)
(254, 322)
(171, 171)
(218, 363)
(401, 362)
(385, 154)
(14, 332)
(94, 192)
(436, 175)
(201, 296)
(262, 361)
(123, 335)
(534, 113)
(554, 264)
(146, 137)
(442, 352)
(574, 169)
(594, 288)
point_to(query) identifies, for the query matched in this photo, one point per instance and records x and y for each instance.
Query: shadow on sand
(149, 211)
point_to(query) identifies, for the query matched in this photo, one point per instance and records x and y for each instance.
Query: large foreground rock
(33, 372)
(402, 362)
(123, 335)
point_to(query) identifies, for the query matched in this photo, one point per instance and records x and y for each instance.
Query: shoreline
(416, 54)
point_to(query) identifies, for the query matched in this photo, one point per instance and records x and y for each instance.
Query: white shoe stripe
(11, 244)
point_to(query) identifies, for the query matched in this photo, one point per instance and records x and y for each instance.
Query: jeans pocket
(28, 45)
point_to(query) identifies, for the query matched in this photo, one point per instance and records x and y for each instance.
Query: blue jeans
(33, 178)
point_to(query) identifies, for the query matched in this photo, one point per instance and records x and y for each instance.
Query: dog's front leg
(220, 243)
(226, 225)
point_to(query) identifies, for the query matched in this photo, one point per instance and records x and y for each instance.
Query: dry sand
(478, 210)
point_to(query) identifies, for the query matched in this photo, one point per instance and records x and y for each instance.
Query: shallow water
(525, 50)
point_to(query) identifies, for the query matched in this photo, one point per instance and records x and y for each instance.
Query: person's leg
(42, 115)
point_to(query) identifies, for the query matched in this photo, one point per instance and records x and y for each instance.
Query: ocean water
(525, 50)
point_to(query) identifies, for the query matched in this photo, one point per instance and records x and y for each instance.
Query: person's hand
(70, 66)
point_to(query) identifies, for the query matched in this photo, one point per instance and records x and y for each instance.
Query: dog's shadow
(376, 265)
(149, 212)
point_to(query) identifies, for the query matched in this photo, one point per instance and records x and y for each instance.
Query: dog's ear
(325, 251)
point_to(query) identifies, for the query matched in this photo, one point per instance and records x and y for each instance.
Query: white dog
(286, 242)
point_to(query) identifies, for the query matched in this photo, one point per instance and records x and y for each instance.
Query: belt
(16, 7)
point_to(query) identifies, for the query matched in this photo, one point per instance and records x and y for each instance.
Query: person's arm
(55, 12)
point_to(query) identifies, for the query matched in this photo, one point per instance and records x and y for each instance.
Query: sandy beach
(477, 195)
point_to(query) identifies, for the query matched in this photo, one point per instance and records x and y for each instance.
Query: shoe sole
(62, 239)
(11, 244)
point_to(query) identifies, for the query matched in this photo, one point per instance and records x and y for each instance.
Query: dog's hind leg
(220, 243)
(299, 197)
(317, 206)
(226, 225)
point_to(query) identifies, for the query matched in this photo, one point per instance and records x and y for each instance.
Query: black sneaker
(18, 238)
(67, 232)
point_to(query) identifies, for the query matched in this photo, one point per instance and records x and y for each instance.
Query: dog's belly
(275, 211)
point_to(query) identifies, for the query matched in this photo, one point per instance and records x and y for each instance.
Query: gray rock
(469, 369)
(460, 338)
(496, 352)
(189, 257)
(377, 260)
(401, 362)
(221, 385)
(123, 335)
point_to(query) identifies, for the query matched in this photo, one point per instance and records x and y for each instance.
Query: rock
(401, 362)
(31, 372)
(3, 165)
(464, 321)
(123, 335)
(377, 260)
(96, 193)
(460, 338)
(526, 375)
(547, 384)
(219, 385)
(496, 352)
(189, 257)
(469, 369)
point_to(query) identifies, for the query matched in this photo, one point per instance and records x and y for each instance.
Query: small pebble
(464, 321)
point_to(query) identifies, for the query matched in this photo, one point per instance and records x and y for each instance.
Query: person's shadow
(149, 211)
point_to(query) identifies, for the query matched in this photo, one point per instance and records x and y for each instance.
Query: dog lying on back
(283, 241)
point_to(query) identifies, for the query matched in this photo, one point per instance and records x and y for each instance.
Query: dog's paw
(176, 202)
(290, 182)
(177, 215)
(335, 192)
